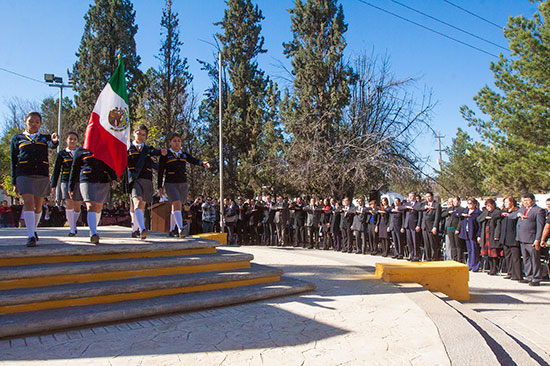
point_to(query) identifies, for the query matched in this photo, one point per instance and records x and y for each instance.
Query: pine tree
(247, 92)
(109, 30)
(167, 97)
(516, 146)
(321, 76)
(461, 174)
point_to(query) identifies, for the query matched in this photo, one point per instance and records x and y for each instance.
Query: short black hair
(528, 195)
(174, 135)
(72, 133)
(33, 113)
(142, 127)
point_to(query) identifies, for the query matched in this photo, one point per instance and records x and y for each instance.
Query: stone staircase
(54, 287)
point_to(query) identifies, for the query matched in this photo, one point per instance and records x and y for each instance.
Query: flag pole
(220, 134)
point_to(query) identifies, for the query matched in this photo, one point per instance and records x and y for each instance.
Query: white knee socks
(29, 218)
(70, 219)
(178, 219)
(138, 213)
(92, 222)
(172, 221)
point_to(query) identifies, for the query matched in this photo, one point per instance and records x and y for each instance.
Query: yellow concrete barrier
(449, 277)
(219, 237)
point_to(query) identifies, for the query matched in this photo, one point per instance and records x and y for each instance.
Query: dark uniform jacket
(431, 217)
(140, 163)
(30, 156)
(63, 164)
(88, 169)
(174, 166)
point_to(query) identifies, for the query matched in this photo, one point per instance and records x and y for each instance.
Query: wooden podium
(160, 217)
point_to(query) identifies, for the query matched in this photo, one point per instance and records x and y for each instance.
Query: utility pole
(221, 138)
(439, 137)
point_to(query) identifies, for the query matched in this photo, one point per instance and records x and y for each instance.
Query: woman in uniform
(30, 170)
(172, 177)
(96, 179)
(62, 167)
(140, 176)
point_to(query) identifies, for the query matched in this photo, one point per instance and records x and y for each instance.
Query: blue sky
(40, 36)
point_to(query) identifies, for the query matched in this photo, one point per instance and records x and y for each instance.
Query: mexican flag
(108, 131)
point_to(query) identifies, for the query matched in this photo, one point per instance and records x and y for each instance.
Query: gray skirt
(65, 192)
(95, 192)
(177, 191)
(143, 188)
(37, 185)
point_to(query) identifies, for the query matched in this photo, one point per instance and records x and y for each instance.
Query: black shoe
(94, 239)
(399, 257)
(71, 235)
(143, 234)
(534, 283)
(524, 281)
(36, 236)
(507, 277)
(135, 234)
(31, 242)
(394, 256)
(182, 235)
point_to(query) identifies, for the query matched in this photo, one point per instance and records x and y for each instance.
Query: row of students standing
(84, 178)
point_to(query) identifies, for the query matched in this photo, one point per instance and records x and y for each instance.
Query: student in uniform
(30, 170)
(140, 176)
(96, 179)
(173, 166)
(62, 168)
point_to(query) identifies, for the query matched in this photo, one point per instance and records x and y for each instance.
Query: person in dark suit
(529, 234)
(281, 220)
(372, 220)
(242, 221)
(335, 220)
(299, 222)
(413, 220)
(346, 216)
(469, 231)
(312, 223)
(431, 215)
(359, 228)
(489, 240)
(326, 214)
(254, 221)
(512, 251)
(397, 228)
(384, 231)
(270, 234)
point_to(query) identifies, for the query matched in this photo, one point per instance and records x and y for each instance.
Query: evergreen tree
(462, 174)
(321, 76)
(247, 95)
(167, 97)
(516, 146)
(110, 29)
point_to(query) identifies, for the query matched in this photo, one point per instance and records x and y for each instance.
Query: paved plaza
(351, 319)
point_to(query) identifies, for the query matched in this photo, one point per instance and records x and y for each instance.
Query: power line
(428, 28)
(23, 76)
(473, 14)
(450, 25)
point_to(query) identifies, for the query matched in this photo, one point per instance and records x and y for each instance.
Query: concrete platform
(449, 277)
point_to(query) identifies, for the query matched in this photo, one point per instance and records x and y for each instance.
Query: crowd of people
(508, 239)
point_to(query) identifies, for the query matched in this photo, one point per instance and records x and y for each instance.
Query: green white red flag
(108, 131)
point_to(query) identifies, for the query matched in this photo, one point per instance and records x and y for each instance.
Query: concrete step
(18, 255)
(33, 322)
(79, 272)
(50, 297)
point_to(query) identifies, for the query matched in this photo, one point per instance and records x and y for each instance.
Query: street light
(57, 82)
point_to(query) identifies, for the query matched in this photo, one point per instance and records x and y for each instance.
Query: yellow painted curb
(448, 277)
(132, 295)
(109, 276)
(21, 261)
(219, 237)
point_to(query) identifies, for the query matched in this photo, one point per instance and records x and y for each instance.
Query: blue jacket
(30, 156)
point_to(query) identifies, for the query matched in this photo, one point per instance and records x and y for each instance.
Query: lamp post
(57, 82)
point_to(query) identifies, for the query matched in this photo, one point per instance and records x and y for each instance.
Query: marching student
(96, 178)
(30, 170)
(140, 176)
(172, 177)
(62, 168)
